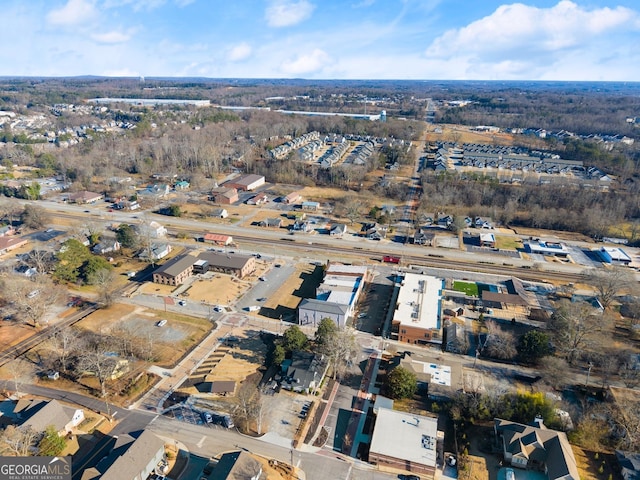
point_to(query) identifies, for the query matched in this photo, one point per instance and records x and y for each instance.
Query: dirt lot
(462, 134)
(170, 342)
(299, 285)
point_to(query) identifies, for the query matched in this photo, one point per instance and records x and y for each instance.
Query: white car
(362, 315)
(182, 303)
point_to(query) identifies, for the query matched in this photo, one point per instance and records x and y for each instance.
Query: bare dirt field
(170, 342)
(299, 285)
(463, 134)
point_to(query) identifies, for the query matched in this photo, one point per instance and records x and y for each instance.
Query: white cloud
(111, 37)
(307, 63)
(517, 28)
(74, 12)
(518, 41)
(284, 13)
(239, 52)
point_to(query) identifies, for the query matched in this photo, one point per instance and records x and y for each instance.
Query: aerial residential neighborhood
(194, 288)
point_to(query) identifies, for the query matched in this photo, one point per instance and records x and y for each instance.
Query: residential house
(106, 246)
(302, 226)
(374, 231)
(445, 221)
(629, 464)
(258, 199)
(304, 372)
(39, 414)
(6, 230)
(406, 441)
(152, 230)
(85, 197)
(11, 243)
(537, 448)
(156, 251)
(175, 271)
(219, 213)
(224, 195)
(423, 237)
(293, 197)
(310, 206)
(271, 223)
(237, 466)
(130, 458)
(338, 230)
(246, 182)
(182, 185)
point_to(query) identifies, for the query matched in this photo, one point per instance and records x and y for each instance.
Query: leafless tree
(499, 343)
(105, 281)
(31, 298)
(626, 415)
(340, 348)
(21, 371)
(576, 327)
(97, 360)
(610, 282)
(555, 370)
(18, 441)
(62, 344)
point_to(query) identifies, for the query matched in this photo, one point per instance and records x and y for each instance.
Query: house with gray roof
(236, 466)
(537, 448)
(39, 414)
(131, 458)
(304, 372)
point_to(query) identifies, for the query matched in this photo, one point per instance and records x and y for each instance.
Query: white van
(254, 308)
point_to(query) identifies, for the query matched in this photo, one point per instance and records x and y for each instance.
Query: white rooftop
(419, 301)
(487, 237)
(405, 436)
(617, 254)
(336, 269)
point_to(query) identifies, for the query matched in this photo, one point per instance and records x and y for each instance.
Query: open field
(169, 342)
(508, 243)
(470, 289)
(461, 134)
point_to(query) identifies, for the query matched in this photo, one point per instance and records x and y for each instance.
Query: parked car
(161, 323)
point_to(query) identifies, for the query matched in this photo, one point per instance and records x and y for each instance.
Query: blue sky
(326, 39)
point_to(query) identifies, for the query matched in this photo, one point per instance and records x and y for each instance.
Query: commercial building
(175, 271)
(406, 441)
(229, 263)
(417, 312)
(246, 183)
(614, 256)
(553, 249)
(336, 296)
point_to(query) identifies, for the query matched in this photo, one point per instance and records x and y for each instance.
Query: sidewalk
(172, 378)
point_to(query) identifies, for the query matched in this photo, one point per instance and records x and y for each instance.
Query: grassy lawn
(470, 289)
(508, 243)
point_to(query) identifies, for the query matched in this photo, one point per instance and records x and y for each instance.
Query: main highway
(350, 248)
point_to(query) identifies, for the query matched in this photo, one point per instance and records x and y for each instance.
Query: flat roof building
(614, 256)
(406, 441)
(416, 318)
(554, 249)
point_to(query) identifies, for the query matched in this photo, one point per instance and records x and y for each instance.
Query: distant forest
(200, 143)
